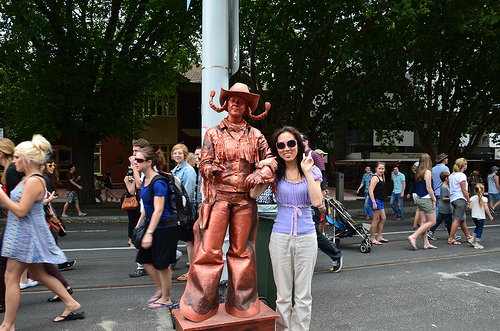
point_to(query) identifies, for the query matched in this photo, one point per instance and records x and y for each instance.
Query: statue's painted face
(236, 107)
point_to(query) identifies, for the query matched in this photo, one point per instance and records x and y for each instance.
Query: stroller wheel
(365, 247)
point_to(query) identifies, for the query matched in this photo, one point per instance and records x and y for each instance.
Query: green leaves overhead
(381, 65)
(80, 67)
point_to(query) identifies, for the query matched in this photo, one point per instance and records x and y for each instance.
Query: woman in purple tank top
(293, 245)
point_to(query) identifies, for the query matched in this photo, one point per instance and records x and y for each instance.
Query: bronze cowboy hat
(240, 90)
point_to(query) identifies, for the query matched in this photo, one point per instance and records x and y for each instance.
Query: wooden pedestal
(264, 321)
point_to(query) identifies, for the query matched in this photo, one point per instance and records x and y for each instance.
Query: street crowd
(440, 197)
(222, 180)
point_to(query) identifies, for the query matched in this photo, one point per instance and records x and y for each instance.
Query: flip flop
(57, 299)
(160, 305)
(155, 298)
(411, 243)
(71, 316)
(454, 242)
(383, 240)
(376, 242)
(430, 247)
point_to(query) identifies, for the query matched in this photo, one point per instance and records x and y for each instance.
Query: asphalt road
(391, 288)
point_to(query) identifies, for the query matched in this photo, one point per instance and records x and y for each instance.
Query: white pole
(215, 59)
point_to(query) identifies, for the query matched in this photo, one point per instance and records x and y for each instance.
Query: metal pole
(215, 59)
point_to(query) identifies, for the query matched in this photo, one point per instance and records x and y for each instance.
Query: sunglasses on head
(51, 165)
(290, 143)
(139, 160)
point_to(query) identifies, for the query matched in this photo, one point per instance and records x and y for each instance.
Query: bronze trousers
(200, 300)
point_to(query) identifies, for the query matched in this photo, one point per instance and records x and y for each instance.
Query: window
(97, 159)
(166, 107)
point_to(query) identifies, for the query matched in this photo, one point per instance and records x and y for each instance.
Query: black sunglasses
(290, 143)
(139, 160)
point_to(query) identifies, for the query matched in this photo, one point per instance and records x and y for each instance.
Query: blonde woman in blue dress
(28, 242)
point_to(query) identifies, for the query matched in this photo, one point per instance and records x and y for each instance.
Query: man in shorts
(493, 189)
(71, 195)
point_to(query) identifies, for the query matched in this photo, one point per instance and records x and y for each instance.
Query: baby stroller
(344, 226)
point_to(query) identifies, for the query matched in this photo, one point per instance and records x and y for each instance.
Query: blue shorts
(494, 196)
(380, 204)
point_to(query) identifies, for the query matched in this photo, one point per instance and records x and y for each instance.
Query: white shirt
(477, 212)
(455, 189)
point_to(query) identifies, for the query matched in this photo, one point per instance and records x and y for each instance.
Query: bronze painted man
(230, 152)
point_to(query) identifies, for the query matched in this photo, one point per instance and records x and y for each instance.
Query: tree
(83, 69)
(322, 64)
(308, 54)
(448, 87)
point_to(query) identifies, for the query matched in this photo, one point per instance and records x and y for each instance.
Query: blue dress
(29, 239)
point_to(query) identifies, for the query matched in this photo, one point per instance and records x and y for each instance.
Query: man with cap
(441, 162)
(493, 189)
(228, 167)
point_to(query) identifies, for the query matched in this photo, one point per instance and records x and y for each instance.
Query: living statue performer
(228, 166)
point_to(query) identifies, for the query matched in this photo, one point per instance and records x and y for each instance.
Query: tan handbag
(130, 203)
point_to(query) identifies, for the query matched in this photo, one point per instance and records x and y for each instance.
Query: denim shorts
(494, 196)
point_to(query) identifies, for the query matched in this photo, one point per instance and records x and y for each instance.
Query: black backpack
(178, 202)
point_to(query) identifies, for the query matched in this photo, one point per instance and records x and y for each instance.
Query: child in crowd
(444, 209)
(478, 205)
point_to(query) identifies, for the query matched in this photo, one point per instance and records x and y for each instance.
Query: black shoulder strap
(40, 178)
(151, 186)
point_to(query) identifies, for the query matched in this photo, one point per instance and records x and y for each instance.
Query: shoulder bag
(129, 202)
(138, 233)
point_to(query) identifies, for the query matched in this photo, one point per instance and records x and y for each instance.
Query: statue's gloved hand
(253, 179)
(264, 175)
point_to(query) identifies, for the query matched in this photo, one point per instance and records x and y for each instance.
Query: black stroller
(344, 226)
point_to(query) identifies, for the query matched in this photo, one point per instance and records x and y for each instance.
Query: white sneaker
(30, 283)
(178, 255)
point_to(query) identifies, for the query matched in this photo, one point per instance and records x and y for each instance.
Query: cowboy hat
(240, 90)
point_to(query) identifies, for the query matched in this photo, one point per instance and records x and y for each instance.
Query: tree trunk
(83, 159)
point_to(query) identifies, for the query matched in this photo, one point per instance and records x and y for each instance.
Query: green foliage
(424, 66)
(83, 69)
(80, 68)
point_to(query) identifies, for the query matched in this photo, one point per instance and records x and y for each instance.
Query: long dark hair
(281, 172)
(53, 178)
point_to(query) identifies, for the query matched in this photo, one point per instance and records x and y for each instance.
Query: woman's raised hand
(307, 163)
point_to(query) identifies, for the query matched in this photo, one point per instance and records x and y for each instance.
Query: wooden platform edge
(222, 320)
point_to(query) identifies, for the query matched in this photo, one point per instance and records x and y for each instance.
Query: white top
(455, 189)
(477, 212)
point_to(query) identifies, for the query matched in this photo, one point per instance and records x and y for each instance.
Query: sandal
(412, 243)
(477, 245)
(471, 240)
(454, 242)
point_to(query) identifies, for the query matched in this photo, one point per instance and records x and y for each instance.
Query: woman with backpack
(158, 247)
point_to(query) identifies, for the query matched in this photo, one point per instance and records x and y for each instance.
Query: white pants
(293, 258)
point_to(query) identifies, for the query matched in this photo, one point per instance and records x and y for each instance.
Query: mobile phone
(130, 172)
(56, 194)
